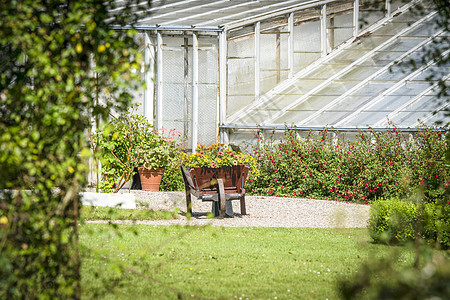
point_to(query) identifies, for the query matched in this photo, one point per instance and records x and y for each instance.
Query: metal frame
(318, 128)
(159, 80)
(149, 57)
(286, 83)
(194, 91)
(356, 18)
(261, 14)
(392, 89)
(257, 60)
(223, 82)
(347, 68)
(442, 107)
(177, 12)
(366, 80)
(323, 30)
(291, 45)
(411, 101)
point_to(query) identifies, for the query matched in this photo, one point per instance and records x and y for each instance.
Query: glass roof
(208, 13)
(376, 87)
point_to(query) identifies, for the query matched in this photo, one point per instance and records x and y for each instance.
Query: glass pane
(391, 28)
(371, 12)
(329, 118)
(349, 56)
(409, 119)
(411, 88)
(292, 117)
(372, 88)
(280, 101)
(257, 117)
(325, 71)
(342, 25)
(404, 44)
(366, 118)
(425, 103)
(390, 103)
(241, 76)
(307, 37)
(335, 88)
(350, 103)
(314, 103)
(207, 113)
(359, 73)
(236, 103)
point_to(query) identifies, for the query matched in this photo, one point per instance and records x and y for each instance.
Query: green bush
(436, 224)
(396, 221)
(373, 165)
(393, 221)
(382, 279)
(172, 180)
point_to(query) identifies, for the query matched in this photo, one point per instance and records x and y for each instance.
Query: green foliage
(374, 165)
(129, 142)
(384, 279)
(172, 180)
(55, 59)
(396, 221)
(393, 220)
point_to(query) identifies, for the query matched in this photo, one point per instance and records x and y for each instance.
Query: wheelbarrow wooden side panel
(216, 184)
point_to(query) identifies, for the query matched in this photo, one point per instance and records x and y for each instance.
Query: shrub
(383, 279)
(396, 221)
(392, 221)
(436, 224)
(172, 179)
(374, 165)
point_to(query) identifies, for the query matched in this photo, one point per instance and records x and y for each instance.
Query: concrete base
(110, 200)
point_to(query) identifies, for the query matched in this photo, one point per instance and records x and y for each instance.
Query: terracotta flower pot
(150, 178)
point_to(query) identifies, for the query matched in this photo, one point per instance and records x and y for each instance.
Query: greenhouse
(226, 70)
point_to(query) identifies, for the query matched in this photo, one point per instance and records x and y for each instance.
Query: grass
(110, 213)
(151, 262)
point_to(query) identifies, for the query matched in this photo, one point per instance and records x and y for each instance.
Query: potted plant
(156, 151)
(130, 142)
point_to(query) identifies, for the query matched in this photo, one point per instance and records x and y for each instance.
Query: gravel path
(261, 212)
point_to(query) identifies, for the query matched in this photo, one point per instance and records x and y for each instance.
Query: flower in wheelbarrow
(218, 155)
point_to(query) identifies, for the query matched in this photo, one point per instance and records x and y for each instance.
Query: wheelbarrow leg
(243, 209)
(188, 202)
(221, 198)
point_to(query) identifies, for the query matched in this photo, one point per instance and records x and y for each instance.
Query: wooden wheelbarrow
(215, 184)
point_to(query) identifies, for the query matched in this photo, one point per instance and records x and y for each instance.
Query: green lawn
(163, 262)
(111, 213)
